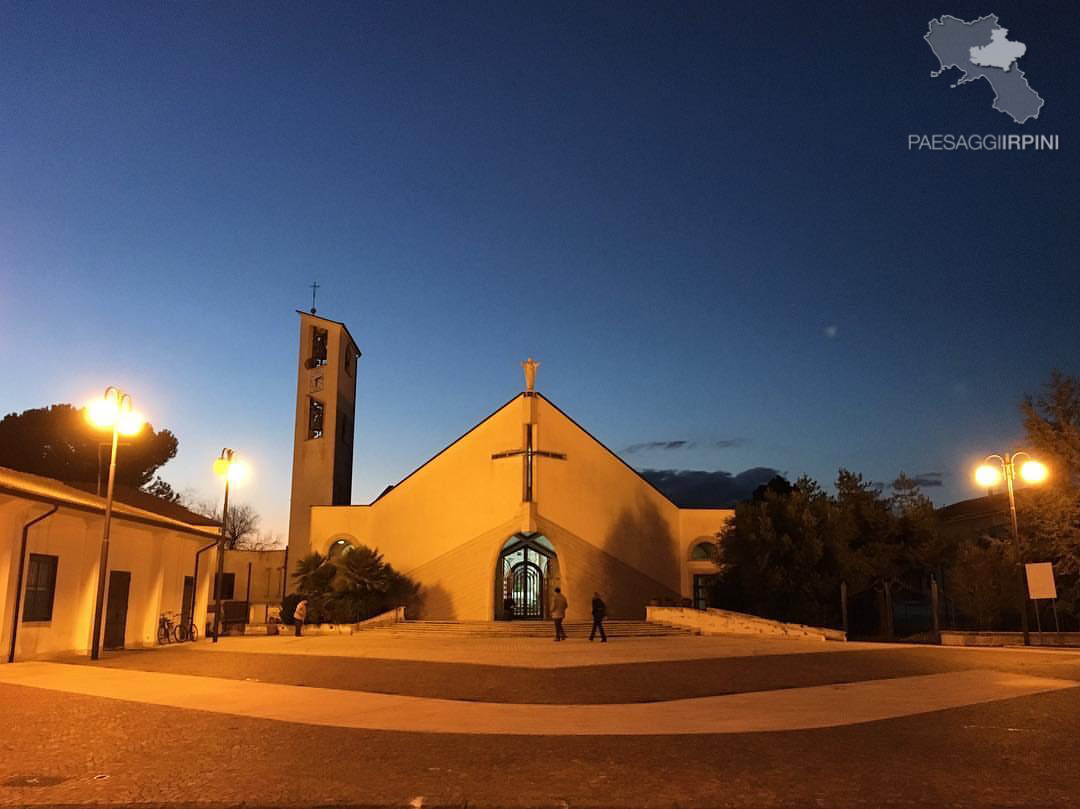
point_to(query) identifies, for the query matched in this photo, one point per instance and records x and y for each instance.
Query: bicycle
(185, 631)
(166, 629)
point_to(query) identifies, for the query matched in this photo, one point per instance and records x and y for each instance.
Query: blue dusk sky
(703, 218)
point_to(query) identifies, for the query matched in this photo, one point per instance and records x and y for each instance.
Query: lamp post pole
(1008, 468)
(226, 455)
(103, 562)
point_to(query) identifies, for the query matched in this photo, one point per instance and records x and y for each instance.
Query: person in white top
(299, 615)
(558, 612)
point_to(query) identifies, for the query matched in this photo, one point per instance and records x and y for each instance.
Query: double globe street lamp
(994, 468)
(232, 470)
(113, 411)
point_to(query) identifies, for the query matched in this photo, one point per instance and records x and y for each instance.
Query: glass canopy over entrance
(525, 575)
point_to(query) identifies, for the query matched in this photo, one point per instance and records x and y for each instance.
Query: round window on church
(339, 548)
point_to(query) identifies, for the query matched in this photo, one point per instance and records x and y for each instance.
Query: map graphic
(982, 50)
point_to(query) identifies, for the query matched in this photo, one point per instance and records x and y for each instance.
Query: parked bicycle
(185, 630)
(172, 628)
(166, 629)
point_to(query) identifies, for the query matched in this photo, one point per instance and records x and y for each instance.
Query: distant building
(252, 585)
(978, 516)
(525, 501)
(50, 544)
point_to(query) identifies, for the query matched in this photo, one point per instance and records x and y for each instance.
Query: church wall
(454, 498)
(459, 585)
(612, 531)
(586, 569)
(596, 497)
(699, 525)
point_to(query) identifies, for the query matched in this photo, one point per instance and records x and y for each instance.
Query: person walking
(299, 614)
(558, 612)
(599, 610)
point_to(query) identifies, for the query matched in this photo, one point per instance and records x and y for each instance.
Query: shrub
(354, 587)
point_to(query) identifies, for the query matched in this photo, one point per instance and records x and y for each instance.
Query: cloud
(929, 479)
(690, 488)
(650, 446)
(646, 446)
(831, 331)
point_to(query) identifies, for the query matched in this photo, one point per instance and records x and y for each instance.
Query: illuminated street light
(112, 411)
(1034, 472)
(993, 469)
(231, 470)
(988, 476)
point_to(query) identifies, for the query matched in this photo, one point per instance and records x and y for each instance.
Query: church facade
(525, 501)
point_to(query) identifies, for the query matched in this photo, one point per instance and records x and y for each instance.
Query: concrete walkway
(535, 653)
(788, 709)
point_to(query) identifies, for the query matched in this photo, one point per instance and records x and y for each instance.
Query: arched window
(338, 548)
(704, 552)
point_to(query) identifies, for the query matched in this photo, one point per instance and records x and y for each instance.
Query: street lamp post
(112, 410)
(230, 469)
(994, 468)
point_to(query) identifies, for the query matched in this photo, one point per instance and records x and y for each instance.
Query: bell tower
(323, 434)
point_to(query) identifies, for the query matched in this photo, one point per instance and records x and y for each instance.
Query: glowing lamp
(129, 423)
(102, 412)
(987, 476)
(1034, 472)
(107, 412)
(231, 470)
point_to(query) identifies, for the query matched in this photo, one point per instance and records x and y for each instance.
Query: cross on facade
(527, 453)
(314, 288)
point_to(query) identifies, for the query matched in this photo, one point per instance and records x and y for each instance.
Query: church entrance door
(527, 571)
(527, 591)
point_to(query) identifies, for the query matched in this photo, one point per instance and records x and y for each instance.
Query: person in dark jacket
(599, 610)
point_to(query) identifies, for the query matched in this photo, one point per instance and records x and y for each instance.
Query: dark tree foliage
(353, 587)
(790, 546)
(1049, 514)
(163, 491)
(57, 442)
(780, 555)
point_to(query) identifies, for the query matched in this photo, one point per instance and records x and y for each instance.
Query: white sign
(1040, 580)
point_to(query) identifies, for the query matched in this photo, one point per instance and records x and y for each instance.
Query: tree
(162, 490)
(353, 587)
(984, 584)
(314, 573)
(241, 530)
(1049, 515)
(918, 529)
(1052, 421)
(789, 548)
(779, 555)
(57, 442)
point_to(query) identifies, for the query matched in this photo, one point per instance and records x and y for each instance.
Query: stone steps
(529, 629)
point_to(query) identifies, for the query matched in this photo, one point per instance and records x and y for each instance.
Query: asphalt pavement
(71, 749)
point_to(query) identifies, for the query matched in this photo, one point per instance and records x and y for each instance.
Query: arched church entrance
(525, 577)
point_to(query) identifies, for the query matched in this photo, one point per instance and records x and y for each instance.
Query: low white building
(50, 546)
(254, 578)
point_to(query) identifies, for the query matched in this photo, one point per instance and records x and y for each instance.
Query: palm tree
(362, 577)
(313, 575)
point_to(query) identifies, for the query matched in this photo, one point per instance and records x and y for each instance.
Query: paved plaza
(385, 718)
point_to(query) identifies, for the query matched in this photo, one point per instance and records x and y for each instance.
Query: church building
(525, 501)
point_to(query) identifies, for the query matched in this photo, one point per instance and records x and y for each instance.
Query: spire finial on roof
(314, 288)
